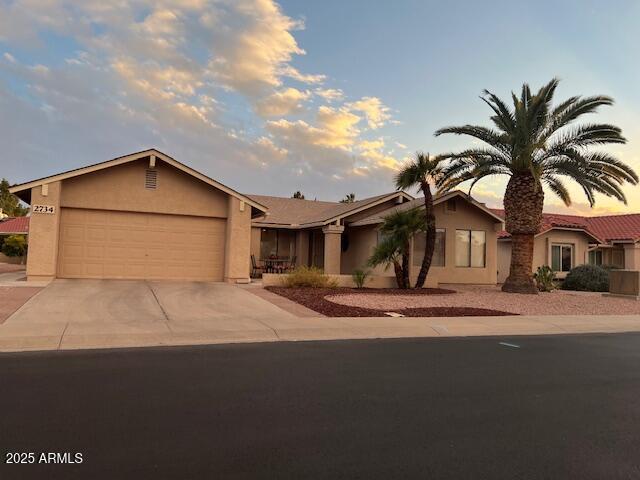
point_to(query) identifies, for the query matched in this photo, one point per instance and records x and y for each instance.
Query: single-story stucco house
(340, 237)
(139, 216)
(12, 226)
(566, 241)
(148, 216)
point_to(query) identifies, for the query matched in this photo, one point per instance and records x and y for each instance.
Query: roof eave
(27, 186)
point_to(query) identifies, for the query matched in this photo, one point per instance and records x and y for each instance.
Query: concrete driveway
(103, 313)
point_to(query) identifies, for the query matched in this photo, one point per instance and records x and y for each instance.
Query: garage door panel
(111, 244)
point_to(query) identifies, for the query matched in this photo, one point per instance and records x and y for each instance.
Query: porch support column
(302, 247)
(332, 248)
(238, 242)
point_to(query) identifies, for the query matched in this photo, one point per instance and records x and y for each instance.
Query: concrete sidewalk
(83, 335)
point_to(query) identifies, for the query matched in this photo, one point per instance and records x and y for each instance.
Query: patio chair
(255, 268)
(292, 264)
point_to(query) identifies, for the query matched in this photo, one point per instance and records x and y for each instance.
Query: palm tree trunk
(430, 230)
(523, 202)
(520, 279)
(405, 267)
(397, 268)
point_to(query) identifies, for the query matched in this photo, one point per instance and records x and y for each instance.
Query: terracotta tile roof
(607, 228)
(14, 225)
(296, 211)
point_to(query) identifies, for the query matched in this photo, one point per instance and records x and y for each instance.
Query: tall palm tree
(536, 144)
(349, 198)
(397, 229)
(423, 171)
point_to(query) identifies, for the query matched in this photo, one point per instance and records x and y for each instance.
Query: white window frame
(560, 246)
(470, 232)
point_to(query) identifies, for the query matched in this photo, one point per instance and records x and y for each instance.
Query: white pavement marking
(441, 329)
(512, 345)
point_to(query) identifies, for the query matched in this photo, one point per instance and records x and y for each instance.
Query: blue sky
(325, 97)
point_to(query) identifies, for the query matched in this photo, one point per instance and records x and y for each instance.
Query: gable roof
(27, 186)
(297, 213)
(15, 225)
(604, 228)
(419, 202)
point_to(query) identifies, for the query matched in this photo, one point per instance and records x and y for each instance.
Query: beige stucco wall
(238, 241)
(255, 242)
(632, 256)
(43, 234)
(542, 247)
(362, 241)
(122, 188)
(373, 281)
(542, 250)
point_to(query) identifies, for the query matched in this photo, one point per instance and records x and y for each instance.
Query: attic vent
(151, 179)
(451, 205)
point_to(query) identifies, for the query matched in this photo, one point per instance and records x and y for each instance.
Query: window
(595, 257)
(471, 248)
(561, 258)
(381, 237)
(277, 243)
(617, 258)
(419, 245)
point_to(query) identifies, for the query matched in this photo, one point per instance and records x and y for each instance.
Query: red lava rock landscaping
(314, 298)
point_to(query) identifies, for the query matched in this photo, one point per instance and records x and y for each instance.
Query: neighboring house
(12, 226)
(341, 237)
(565, 241)
(140, 216)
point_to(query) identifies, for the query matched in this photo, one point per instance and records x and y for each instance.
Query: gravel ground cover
(316, 299)
(559, 302)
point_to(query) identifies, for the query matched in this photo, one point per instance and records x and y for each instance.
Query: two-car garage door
(112, 244)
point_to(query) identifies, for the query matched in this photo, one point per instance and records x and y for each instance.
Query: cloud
(212, 82)
(281, 103)
(329, 94)
(376, 112)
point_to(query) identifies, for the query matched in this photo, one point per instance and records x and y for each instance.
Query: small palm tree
(536, 144)
(423, 171)
(349, 198)
(397, 229)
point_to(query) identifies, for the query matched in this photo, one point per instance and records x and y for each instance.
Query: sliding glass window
(471, 248)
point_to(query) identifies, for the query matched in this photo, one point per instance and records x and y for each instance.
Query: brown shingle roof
(418, 203)
(296, 211)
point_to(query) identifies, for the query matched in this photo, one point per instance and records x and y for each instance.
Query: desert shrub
(15, 246)
(545, 278)
(359, 277)
(313, 277)
(587, 278)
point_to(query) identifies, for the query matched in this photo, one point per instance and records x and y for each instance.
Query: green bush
(309, 277)
(587, 278)
(360, 277)
(15, 246)
(545, 278)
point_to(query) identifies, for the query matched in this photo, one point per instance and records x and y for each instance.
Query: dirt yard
(317, 299)
(559, 302)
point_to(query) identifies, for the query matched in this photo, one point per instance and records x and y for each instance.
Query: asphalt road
(554, 408)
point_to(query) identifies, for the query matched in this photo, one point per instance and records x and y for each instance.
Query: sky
(324, 97)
